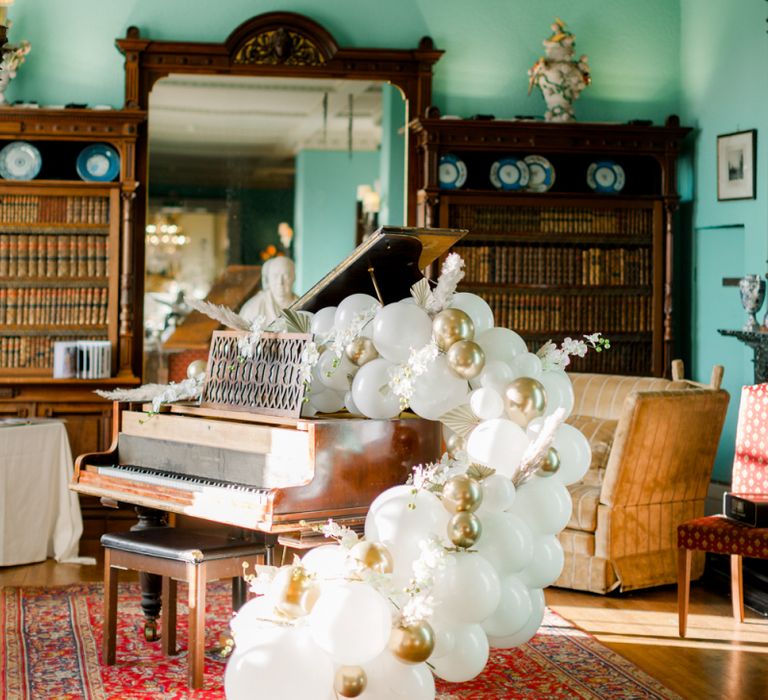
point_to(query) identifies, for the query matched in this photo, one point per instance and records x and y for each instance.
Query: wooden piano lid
(395, 255)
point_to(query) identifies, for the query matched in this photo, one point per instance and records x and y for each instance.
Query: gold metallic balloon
(350, 681)
(372, 555)
(453, 443)
(550, 464)
(295, 597)
(450, 326)
(196, 368)
(361, 351)
(462, 493)
(466, 359)
(412, 643)
(524, 399)
(464, 529)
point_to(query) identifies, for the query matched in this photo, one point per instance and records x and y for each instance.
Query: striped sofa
(654, 443)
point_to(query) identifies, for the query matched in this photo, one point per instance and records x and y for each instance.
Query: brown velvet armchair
(654, 443)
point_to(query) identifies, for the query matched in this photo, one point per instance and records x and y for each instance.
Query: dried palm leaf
(461, 420)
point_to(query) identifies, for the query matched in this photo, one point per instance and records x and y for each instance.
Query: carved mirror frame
(276, 44)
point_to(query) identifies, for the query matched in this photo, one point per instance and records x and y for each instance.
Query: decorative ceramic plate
(606, 176)
(452, 172)
(20, 160)
(98, 163)
(542, 174)
(510, 174)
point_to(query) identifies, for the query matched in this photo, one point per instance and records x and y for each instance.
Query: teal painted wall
(490, 44)
(392, 167)
(324, 214)
(723, 50)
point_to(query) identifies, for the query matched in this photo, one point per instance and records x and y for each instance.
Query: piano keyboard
(183, 482)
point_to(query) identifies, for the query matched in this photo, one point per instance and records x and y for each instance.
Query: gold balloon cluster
(412, 643)
(454, 443)
(350, 681)
(462, 495)
(361, 351)
(298, 592)
(524, 399)
(453, 332)
(371, 556)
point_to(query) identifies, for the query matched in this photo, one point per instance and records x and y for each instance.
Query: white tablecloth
(39, 515)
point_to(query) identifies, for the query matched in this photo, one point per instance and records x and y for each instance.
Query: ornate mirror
(291, 95)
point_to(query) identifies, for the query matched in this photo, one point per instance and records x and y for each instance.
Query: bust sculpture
(277, 278)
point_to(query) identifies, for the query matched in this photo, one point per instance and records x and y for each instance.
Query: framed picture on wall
(736, 176)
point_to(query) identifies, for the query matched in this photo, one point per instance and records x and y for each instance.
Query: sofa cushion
(585, 501)
(599, 433)
(603, 395)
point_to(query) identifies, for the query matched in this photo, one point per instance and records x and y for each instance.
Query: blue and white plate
(20, 160)
(98, 163)
(542, 174)
(452, 172)
(510, 174)
(606, 176)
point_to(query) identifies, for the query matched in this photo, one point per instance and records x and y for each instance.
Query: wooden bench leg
(110, 610)
(737, 587)
(168, 617)
(196, 577)
(683, 586)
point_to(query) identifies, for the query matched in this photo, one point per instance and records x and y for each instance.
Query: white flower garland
(554, 358)
(403, 377)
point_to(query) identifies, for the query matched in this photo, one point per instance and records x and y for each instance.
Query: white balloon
(476, 308)
(367, 390)
(270, 667)
(514, 609)
(506, 542)
(468, 658)
(326, 561)
(398, 328)
(350, 307)
(389, 679)
(328, 401)
(381, 499)
(575, 454)
(251, 624)
(308, 410)
(498, 443)
(495, 375)
(401, 522)
(529, 628)
(443, 631)
(467, 589)
(526, 365)
(544, 504)
(437, 391)
(501, 344)
(351, 621)
(559, 392)
(335, 372)
(350, 405)
(498, 494)
(486, 403)
(322, 321)
(547, 563)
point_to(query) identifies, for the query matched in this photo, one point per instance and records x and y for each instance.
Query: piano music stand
(175, 555)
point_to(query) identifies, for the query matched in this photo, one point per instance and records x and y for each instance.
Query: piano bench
(175, 555)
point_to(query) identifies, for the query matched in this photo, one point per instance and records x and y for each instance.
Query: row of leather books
(35, 352)
(538, 313)
(561, 220)
(72, 306)
(556, 265)
(53, 209)
(49, 255)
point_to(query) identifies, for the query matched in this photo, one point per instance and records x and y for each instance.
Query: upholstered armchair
(654, 443)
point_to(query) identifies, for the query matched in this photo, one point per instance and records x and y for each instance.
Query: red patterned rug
(51, 646)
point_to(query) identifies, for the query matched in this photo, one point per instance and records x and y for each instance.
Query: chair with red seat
(718, 534)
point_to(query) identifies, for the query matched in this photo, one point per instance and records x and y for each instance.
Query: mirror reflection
(245, 169)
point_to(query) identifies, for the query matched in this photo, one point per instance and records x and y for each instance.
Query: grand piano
(266, 473)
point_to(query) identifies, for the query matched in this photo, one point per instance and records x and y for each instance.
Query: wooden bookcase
(567, 261)
(67, 272)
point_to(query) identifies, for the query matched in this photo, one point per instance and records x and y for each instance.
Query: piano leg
(150, 583)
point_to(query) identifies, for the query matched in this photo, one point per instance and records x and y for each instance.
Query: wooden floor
(719, 659)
